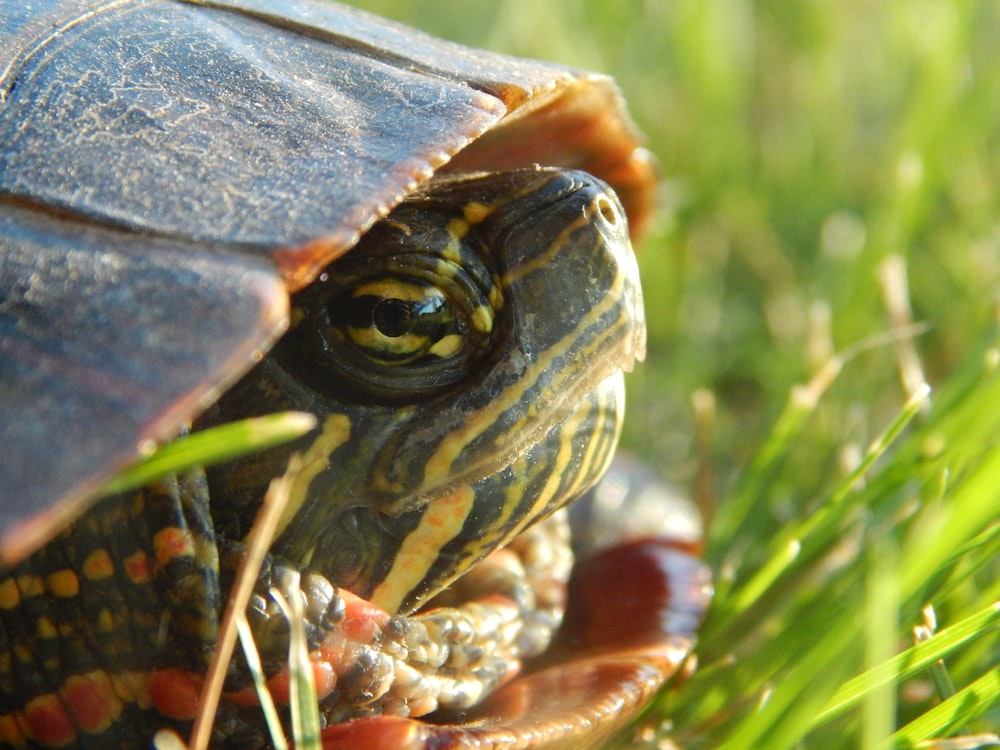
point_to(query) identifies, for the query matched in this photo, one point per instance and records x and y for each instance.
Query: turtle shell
(172, 171)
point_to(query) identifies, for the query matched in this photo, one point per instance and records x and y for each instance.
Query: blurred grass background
(803, 145)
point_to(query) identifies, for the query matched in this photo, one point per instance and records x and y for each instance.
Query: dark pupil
(393, 317)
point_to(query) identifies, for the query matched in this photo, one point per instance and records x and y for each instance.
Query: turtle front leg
(452, 654)
(96, 627)
(106, 634)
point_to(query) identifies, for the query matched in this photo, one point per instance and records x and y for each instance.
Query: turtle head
(466, 361)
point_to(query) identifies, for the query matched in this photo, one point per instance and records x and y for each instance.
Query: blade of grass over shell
(213, 446)
(256, 669)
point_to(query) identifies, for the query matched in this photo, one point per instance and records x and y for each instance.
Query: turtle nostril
(607, 210)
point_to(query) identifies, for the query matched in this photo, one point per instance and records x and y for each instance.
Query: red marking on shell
(659, 590)
(300, 265)
(376, 733)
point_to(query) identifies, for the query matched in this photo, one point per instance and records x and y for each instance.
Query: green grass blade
(302, 685)
(912, 661)
(267, 707)
(213, 446)
(963, 707)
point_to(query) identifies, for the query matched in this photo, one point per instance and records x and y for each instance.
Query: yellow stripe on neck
(336, 431)
(441, 522)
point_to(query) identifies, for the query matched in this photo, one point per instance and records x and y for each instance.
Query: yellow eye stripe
(335, 432)
(421, 312)
(552, 254)
(393, 288)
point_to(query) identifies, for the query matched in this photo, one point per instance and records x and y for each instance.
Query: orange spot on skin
(47, 721)
(363, 621)
(105, 621)
(137, 567)
(324, 679)
(63, 583)
(175, 693)
(10, 594)
(30, 586)
(452, 509)
(92, 700)
(132, 687)
(172, 542)
(10, 731)
(45, 628)
(98, 566)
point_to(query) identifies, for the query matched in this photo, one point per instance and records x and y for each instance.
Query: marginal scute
(554, 116)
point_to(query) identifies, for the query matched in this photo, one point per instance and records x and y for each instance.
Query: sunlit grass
(828, 242)
(805, 643)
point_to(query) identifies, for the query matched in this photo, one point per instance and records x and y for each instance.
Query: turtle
(217, 210)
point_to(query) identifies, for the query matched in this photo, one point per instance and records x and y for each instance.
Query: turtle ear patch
(110, 340)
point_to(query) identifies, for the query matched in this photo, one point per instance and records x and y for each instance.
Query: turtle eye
(394, 321)
(393, 338)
